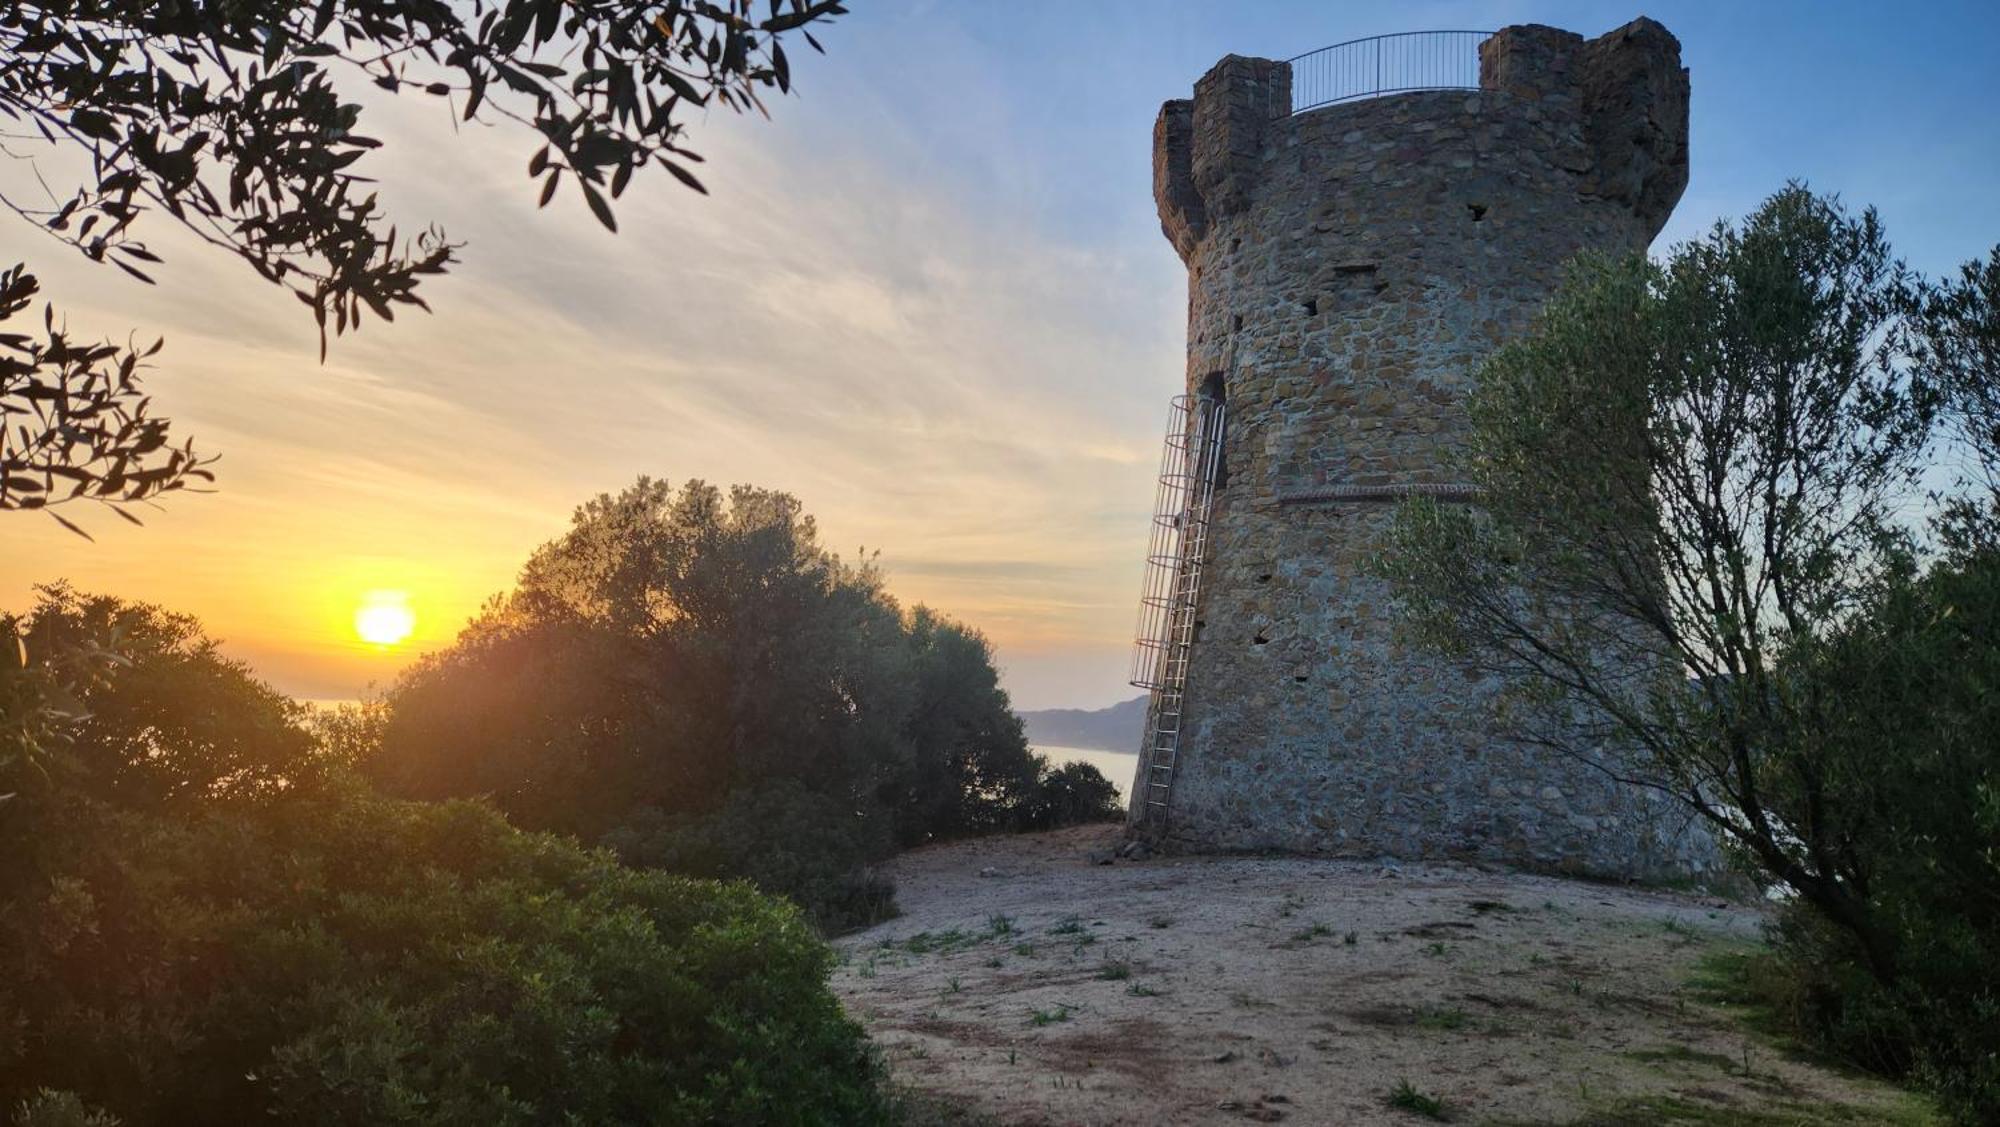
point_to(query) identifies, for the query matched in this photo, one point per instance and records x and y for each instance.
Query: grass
(1644, 1111)
(1141, 990)
(1406, 1097)
(1040, 1018)
(1316, 931)
(924, 942)
(1069, 925)
(1681, 1054)
(1432, 1017)
(910, 1107)
(1114, 970)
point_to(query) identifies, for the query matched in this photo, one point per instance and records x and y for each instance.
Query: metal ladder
(1189, 466)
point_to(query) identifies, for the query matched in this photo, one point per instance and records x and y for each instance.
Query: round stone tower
(1348, 269)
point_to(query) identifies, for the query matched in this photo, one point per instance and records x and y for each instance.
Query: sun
(384, 618)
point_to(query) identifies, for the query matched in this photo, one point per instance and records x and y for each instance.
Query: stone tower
(1348, 269)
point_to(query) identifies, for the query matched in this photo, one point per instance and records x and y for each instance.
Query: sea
(1118, 766)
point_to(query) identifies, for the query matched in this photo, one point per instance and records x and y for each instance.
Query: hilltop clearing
(1027, 984)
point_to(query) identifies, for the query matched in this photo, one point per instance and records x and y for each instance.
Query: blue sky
(930, 297)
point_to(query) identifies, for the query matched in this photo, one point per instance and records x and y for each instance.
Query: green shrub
(342, 958)
(59, 1109)
(204, 919)
(1906, 707)
(816, 850)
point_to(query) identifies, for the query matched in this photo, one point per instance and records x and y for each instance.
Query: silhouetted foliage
(206, 920)
(1070, 795)
(681, 668)
(232, 118)
(1958, 339)
(238, 122)
(74, 425)
(163, 717)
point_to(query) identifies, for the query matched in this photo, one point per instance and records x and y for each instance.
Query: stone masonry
(1348, 269)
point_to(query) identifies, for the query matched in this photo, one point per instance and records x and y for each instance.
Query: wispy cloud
(935, 379)
(930, 298)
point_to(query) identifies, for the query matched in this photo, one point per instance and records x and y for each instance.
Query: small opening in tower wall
(1236, 323)
(1212, 392)
(1310, 306)
(1236, 244)
(1478, 211)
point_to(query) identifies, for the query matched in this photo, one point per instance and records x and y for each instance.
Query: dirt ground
(1026, 984)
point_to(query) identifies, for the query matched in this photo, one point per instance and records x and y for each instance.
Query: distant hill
(1118, 728)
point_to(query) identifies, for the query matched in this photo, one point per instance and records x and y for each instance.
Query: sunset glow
(385, 618)
(952, 339)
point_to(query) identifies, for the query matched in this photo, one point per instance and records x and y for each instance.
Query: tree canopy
(1711, 554)
(690, 675)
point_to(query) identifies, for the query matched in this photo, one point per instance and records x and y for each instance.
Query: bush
(204, 919)
(1071, 795)
(1906, 704)
(342, 958)
(817, 850)
(59, 1109)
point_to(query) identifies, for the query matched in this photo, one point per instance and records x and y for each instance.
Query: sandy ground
(1029, 985)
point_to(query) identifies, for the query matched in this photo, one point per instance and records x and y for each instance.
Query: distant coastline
(1117, 728)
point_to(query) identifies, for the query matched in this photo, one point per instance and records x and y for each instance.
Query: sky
(929, 297)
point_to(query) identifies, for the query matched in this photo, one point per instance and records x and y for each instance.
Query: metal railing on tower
(1386, 64)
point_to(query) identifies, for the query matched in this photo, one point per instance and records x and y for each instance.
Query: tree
(1958, 338)
(237, 121)
(671, 645)
(1906, 725)
(1735, 431)
(161, 717)
(691, 677)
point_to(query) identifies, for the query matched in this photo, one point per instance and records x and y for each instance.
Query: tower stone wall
(1348, 269)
